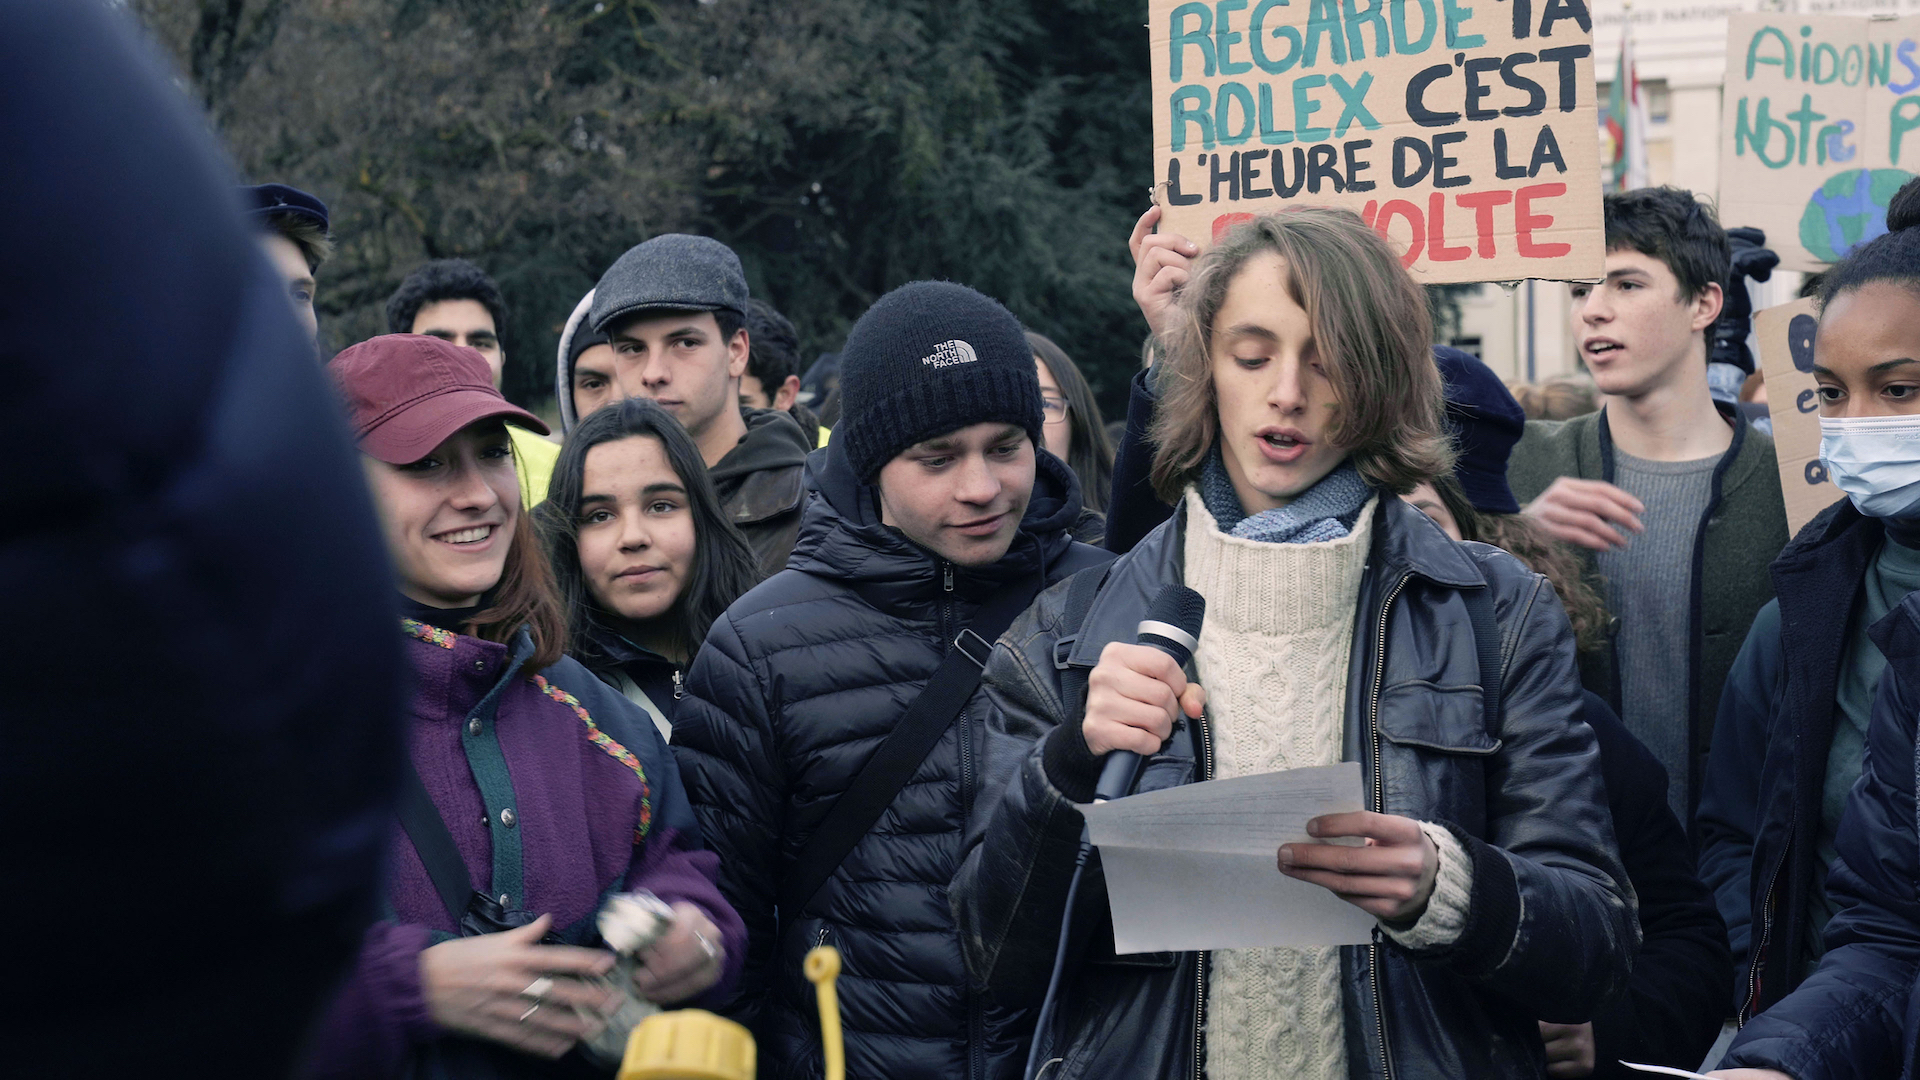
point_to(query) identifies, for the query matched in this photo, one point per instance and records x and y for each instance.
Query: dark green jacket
(1743, 528)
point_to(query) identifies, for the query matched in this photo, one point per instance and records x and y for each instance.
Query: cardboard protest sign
(1465, 134)
(1785, 336)
(1820, 125)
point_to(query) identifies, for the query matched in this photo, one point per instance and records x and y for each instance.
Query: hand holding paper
(1391, 877)
(1192, 867)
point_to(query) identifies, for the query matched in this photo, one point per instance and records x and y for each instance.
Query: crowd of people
(885, 703)
(1640, 766)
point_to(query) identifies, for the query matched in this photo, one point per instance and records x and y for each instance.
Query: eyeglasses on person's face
(1054, 408)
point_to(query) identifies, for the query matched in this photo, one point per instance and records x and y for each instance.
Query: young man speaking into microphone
(1299, 396)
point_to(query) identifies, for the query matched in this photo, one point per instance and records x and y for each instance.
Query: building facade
(1680, 50)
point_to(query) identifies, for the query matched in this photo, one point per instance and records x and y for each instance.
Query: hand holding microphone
(1137, 691)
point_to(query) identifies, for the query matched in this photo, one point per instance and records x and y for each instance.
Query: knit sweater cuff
(1069, 763)
(1446, 914)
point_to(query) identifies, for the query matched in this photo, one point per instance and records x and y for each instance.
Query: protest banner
(1818, 128)
(1785, 337)
(1465, 134)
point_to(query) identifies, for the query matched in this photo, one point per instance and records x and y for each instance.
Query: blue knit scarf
(1325, 511)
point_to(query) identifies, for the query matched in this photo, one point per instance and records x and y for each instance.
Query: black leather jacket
(1551, 930)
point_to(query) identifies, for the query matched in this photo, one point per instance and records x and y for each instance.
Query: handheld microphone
(1172, 625)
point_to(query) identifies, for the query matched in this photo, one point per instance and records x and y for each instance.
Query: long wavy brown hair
(526, 596)
(1517, 535)
(1370, 325)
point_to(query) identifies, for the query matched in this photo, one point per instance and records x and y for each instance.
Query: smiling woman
(537, 790)
(441, 469)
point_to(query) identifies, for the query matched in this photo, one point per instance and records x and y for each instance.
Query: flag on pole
(1625, 121)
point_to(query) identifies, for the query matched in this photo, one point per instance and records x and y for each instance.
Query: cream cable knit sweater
(1273, 656)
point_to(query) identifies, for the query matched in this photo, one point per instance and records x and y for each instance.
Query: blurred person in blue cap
(297, 237)
(211, 815)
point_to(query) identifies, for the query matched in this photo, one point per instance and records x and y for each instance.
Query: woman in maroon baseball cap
(537, 790)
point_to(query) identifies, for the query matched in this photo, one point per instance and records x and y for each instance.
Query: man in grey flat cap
(675, 310)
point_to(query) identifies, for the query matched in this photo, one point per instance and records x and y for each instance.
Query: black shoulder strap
(1486, 644)
(1080, 595)
(894, 763)
(428, 831)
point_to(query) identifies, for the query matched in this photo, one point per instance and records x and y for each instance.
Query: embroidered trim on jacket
(612, 748)
(432, 635)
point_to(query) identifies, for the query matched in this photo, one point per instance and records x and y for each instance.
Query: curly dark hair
(1894, 256)
(1518, 536)
(443, 279)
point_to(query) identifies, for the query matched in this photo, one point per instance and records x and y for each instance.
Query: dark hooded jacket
(795, 688)
(1759, 819)
(1550, 930)
(761, 484)
(626, 666)
(1857, 1016)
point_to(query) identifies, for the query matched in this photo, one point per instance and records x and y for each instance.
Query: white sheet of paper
(1192, 867)
(1663, 1070)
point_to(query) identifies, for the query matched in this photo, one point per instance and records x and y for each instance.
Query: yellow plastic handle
(822, 968)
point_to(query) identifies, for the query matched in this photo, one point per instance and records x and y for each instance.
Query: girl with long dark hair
(537, 790)
(1075, 431)
(643, 553)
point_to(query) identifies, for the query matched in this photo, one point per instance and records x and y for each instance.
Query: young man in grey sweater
(1677, 499)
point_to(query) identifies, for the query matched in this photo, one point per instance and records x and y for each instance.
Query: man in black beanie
(830, 738)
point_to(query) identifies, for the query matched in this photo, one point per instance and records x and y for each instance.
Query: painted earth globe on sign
(1848, 210)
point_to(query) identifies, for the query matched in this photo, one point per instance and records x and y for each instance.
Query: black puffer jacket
(796, 687)
(1550, 930)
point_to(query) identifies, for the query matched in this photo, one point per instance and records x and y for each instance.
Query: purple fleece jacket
(575, 751)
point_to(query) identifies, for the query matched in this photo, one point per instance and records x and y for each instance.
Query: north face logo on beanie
(974, 367)
(948, 353)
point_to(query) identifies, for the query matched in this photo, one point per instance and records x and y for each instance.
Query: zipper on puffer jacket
(1378, 803)
(1757, 957)
(949, 629)
(1202, 962)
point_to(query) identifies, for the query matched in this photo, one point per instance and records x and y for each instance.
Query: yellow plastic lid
(688, 1044)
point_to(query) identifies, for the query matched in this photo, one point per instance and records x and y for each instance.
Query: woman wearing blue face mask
(1791, 730)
